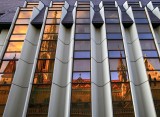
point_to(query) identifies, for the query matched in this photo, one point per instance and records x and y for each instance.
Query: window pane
(139, 14)
(52, 21)
(50, 36)
(22, 21)
(113, 28)
(142, 21)
(82, 28)
(17, 37)
(143, 28)
(82, 45)
(121, 92)
(6, 78)
(47, 55)
(115, 45)
(111, 14)
(114, 36)
(82, 54)
(117, 64)
(25, 14)
(119, 76)
(116, 54)
(15, 46)
(82, 65)
(43, 78)
(11, 55)
(8, 66)
(150, 53)
(145, 36)
(45, 66)
(112, 20)
(83, 14)
(85, 76)
(82, 36)
(51, 29)
(82, 20)
(48, 46)
(147, 45)
(54, 14)
(19, 29)
(152, 64)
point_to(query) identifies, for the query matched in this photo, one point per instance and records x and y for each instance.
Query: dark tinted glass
(82, 54)
(82, 36)
(115, 45)
(114, 36)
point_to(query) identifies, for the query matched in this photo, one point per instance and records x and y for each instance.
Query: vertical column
(120, 81)
(61, 85)
(136, 66)
(81, 77)
(12, 54)
(100, 78)
(148, 48)
(43, 72)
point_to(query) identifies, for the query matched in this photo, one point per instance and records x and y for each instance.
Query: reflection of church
(154, 78)
(121, 93)
(81, 98)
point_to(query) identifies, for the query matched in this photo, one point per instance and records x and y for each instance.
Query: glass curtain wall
(81, 78)
(12, 53)
(41, 87)
(150, 54)
(120, 84)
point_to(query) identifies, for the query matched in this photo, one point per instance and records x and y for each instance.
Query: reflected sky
(116, 54)
(150, 53)
(83, 75)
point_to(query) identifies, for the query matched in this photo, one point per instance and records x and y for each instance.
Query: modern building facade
(79, 58)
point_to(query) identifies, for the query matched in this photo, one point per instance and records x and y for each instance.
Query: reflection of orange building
(121, 96)
(154, 78)
(152, 75)
(81, 98)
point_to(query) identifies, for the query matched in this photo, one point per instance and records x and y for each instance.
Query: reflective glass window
(15, 46)
(45, 66)
(116, 54)
(117, 64)
(83, 14)
(113, 28)
(82, 54)
(114, 36)
(20, 29)
(111, 14)
(81, 65)
(82, 28)
(143, 28)
(147, 45)
(51, 28)
(82, 45)
(54, 14)
(115, 45)
(82, 36)
(25, 14)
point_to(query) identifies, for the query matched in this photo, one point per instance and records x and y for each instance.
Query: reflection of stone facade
(39, 100)
(81, 98)
(4, 91)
